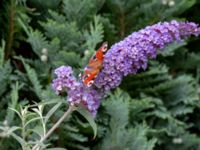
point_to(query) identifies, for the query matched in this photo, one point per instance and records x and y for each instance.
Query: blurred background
(156, 109)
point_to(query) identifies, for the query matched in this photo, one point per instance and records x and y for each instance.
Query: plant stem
(10, 37)
(23, 132)
(56, 125)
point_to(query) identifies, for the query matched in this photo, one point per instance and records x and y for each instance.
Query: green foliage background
(156, 109)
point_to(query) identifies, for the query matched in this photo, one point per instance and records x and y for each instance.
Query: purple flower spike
(123, 58)
(131, 54)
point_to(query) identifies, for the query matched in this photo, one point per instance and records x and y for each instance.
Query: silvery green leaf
(51, 112)
(87, 115)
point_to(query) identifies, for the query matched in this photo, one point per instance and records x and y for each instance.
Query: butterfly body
(94, 66)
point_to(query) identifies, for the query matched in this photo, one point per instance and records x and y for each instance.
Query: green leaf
(32, 75)
(2, 53)
(18, 138)
(51, 112)
(16, 112)
(56, 149)
(171, 48)
(67, 58)
(38, 41)
(5, 74)
(87, 115)
(12, 129)
(14, 100)
(32, 120)
(95, 34)
(38, 130)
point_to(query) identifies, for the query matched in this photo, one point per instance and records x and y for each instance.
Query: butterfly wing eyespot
(90, 83)
(104, 47)
(88, 79)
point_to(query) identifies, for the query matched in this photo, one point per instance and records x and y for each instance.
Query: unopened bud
(45, 51)
(87, 52)
(44, 58)
(177, 140)
(171, 3)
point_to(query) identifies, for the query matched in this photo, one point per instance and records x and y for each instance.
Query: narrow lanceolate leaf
(12, 129)
(14, 100)
(87, 115)
(18, 138)
(9, 130)
(32, 120)
(51, 112)
(2, 53)
(16, 112)
(56, 149)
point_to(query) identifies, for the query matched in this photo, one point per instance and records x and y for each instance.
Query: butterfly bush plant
(123, 58)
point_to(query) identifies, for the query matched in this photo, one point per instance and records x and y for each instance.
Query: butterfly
(94, 66)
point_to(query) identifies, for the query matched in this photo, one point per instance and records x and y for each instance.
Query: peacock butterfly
(94, 66)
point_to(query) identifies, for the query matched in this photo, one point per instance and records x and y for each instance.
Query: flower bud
(171, 3)
(44, 58)
(45, 51)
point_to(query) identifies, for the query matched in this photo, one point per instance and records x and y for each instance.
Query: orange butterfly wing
(94, 66)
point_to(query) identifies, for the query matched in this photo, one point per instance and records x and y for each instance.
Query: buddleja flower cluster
(123, 58)
(77, 92)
